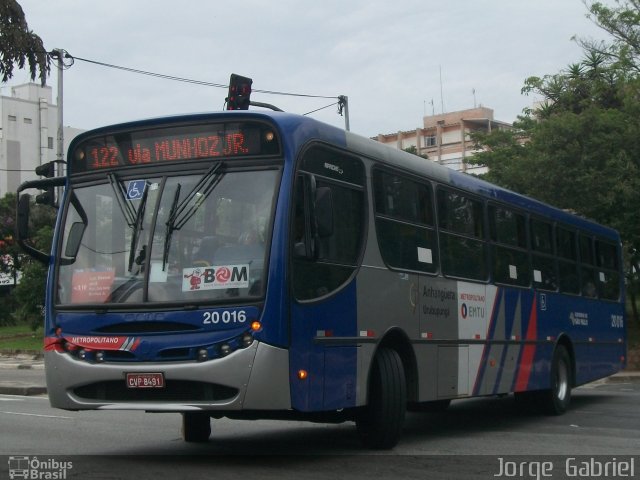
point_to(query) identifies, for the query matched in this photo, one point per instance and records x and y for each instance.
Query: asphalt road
(604, 421)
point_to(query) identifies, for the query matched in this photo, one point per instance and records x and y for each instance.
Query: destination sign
(173, 144)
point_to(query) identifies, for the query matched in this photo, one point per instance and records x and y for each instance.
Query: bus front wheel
(196, 427)
(556, 399)
(380, 423)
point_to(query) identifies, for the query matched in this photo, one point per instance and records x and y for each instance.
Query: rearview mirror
(74, 239)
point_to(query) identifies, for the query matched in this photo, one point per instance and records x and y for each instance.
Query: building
(445, 138)
(28, 133)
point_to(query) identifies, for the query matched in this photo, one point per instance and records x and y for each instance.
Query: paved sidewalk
(23, 374)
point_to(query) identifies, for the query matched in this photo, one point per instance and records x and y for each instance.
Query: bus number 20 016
(228, 316)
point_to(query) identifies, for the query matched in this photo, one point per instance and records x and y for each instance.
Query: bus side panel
(594, 329)
(511, 355)
(331, 368)
(387, 300)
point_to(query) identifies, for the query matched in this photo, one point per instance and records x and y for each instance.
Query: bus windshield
(197, 237)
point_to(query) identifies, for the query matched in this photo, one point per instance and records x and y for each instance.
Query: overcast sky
(387, 56)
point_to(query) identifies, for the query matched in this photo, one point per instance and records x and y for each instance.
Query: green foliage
(23, 304)
(19, 45)
(581, 150)
(29, 295)
(622, 23)
(414, 150)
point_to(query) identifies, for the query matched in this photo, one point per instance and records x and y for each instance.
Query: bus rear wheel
(380, 423)
(556, 399)
(196, 427)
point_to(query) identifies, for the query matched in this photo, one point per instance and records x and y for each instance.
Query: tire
(196, 427)
(380, 423)
(556, 399)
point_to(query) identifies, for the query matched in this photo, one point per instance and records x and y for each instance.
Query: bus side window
(509, 247)
(463, 251)
(404, 222)
(608, 269)
(587, 267)
(567, 261)
(545, 270)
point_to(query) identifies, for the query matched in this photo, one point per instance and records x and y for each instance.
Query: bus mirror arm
(23, 214)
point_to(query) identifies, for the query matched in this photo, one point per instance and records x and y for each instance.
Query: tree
(414, 150)
(8, 256)
(24, 302)
(581, 150)
(19, 45)
(622, 23)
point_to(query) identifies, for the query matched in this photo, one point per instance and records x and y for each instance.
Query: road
(604, 420)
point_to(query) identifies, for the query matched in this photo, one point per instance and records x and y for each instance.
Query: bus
(264, 265)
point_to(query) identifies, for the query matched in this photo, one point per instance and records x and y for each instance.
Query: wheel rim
(562, 380)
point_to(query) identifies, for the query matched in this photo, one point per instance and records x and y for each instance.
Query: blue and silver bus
(266, 265)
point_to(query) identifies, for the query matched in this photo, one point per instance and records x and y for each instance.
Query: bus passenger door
(327, 239)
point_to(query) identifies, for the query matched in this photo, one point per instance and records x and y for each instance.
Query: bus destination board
(173, 144)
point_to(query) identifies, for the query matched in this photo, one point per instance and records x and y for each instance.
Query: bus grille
(147, 327)
(174, 391)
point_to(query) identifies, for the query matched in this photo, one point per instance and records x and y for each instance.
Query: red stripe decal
(529, 351)
(53, 344)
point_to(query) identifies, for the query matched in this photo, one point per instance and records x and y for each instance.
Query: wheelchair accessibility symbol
(135, 189)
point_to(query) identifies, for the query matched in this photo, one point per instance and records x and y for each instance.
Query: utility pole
(59, 55)
(343, 105)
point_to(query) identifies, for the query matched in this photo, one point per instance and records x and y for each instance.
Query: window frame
(547, 254)
(377, 171)
(499, 246)
(481, 239)
(301, 172)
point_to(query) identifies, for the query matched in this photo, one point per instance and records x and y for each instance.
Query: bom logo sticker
(212, 278)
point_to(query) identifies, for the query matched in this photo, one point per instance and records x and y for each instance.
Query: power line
(321, 108)
(188, 80)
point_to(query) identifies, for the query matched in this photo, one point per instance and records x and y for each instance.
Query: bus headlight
(247, 340)
(203, 355)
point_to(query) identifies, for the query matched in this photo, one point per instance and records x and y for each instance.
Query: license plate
(145, 380)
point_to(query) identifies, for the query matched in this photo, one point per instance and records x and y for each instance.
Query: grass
(20, 337)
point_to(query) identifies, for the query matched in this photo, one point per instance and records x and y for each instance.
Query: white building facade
(28, 134)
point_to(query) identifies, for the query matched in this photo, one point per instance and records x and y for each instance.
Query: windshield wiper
(169, 229)
(137, 228)
(127, 210)
(180, 213)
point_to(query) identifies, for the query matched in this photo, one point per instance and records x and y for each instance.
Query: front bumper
(254, 378)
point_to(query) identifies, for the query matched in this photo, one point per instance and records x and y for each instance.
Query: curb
(623, 378)
(24, 391)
